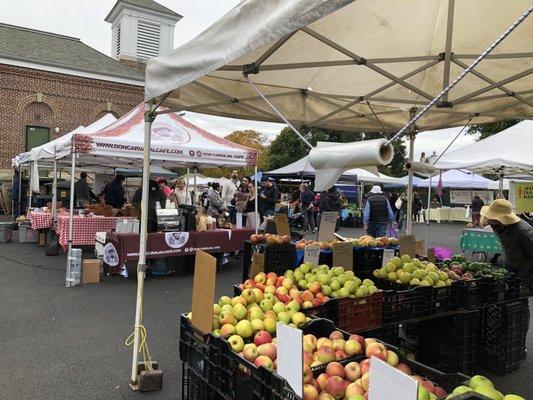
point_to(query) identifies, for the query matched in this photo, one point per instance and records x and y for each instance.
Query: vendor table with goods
(121, 248)
(480, 241)
(453, 214)
(84, 228)
(40, 220)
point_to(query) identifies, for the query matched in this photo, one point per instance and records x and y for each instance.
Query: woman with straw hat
(515, 234)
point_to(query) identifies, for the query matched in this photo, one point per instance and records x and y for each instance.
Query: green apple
(478, 380)
(299, 319)
(368, 283)
(372, 289)
(284, 317)
(298, 275)
(462, 389)
(266, 305)
(489, 391)
(279, 307)
(257, 325)
(255, 313)
(270, 325)
(344, 292)
(239, 311)
(334, 284)
(244, 329)
(224, 300)
(270, 296)
(342, 279)
(423, 394)
(216, 309)
(236, 342)
(293, 305)
(513, 397)
(326, 290)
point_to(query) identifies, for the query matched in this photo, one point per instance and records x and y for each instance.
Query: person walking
(377, 214)
(417, 207)
(402, 213)
(475, 209)
(82, 191)
(393, 198)
(114, 193)
(251, 220)
(330, 200)
(307, 198)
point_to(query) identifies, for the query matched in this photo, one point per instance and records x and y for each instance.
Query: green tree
(286, 148)
(486, 130)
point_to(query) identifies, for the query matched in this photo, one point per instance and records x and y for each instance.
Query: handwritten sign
(407, 245)
(282, 224)
(419, 247)
(389, 383)
(290, 357)
(258, 264)
(343, 255)
(328, 221)
(203, 291)
(388, 254)
(312, 254)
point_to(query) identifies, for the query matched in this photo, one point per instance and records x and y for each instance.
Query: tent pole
(500, 186)
(187, 185)
(54, 190)
(70, 216)
(20, 190)
(426, 243)
(30, 194)
(141, 266)
(255, 201)
(410, 181)
(194, 188)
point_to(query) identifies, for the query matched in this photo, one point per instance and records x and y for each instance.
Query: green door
(36, 136)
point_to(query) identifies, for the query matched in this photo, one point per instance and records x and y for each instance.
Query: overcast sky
(85, 19)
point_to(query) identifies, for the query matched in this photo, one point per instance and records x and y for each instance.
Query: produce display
(459, 268)
(363, 241)
(269, 238)
(412, 271)
(311, 285)
(482, 385)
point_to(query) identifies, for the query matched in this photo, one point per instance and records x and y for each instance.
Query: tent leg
(410, 181)
(141, 266)
(54, 192)
(30, 193)
(500, 186)
(187, 184)
(20, 191)
(426, 242)
(194, 187)
(256, 202)
(70, 217)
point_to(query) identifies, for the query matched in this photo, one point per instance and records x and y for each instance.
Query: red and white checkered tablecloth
(40, 220)
(84, 229)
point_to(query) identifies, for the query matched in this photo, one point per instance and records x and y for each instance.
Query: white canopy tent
(304, 169)
(457, 179)
(354, 65)
(507, 153)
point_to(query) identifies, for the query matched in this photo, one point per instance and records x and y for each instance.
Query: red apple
(336, 335)
(322, 380)
(262, 337)
(316, 302)
(264, 361)
(338, 344)
(268, 349)
(325, 354)
(364, 366)
(353, 347)
(250, 352)
(308, 358)
(429, 386)
(307, 295)
(352, 389)
(340, 355)
(307, 374)
(440, 392)
(335, 386)
(315, 287)
(358, 338)
(404, 368)
(377, 350)
(323, 341)
(352, 371)
(335, 369)
(365, 381)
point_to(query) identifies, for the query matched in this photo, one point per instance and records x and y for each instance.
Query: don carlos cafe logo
(170, 131)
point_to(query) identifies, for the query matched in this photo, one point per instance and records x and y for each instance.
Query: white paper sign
(388, 383)
(312, 253)
(388, 254)
(239, 220)
(290, 358)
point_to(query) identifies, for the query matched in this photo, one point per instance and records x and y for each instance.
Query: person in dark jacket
(307, 197)
(417, 207)
(393, 198)
(82, 191)
(269, 197)
(377, 214)
(475, 208)
(155, 194)
(114, 193)
(515, 234)
(330, 200)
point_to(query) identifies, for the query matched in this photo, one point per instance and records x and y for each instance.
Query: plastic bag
(467, 212)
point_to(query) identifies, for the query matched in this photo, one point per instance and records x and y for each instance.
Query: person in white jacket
(228, 193)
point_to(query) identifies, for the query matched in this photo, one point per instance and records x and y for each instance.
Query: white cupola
(141, 29)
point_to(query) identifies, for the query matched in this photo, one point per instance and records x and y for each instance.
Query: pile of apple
(269, 238)
(369, 241)
(326, 245)
(482, 385)
(413, 272)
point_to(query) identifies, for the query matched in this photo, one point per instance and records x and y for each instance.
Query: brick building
(50, 84)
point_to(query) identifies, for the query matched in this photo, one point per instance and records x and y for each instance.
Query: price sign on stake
(387, 256)
(407, 245)
(290, 357)
(203, 291)
(282, 224)
(312, 254)
(328, 221)
(388, 383)
(343, 255)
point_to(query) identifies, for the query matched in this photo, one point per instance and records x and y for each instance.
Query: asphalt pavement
(68, 343)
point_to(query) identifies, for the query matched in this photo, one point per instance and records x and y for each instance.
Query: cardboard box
(42, 238)
(91, 271)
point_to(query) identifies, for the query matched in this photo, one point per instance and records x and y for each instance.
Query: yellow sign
(523, 196)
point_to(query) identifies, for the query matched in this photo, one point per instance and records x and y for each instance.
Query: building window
(148, 39)
(36, 136)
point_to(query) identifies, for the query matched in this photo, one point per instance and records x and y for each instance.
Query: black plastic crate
(367, 259)
(197, 351)
(503, 336)
(451, 342)
(278, 257)
(388, 334)
(195, 387)
(359, 314)
(402, 302)
(328, 310)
